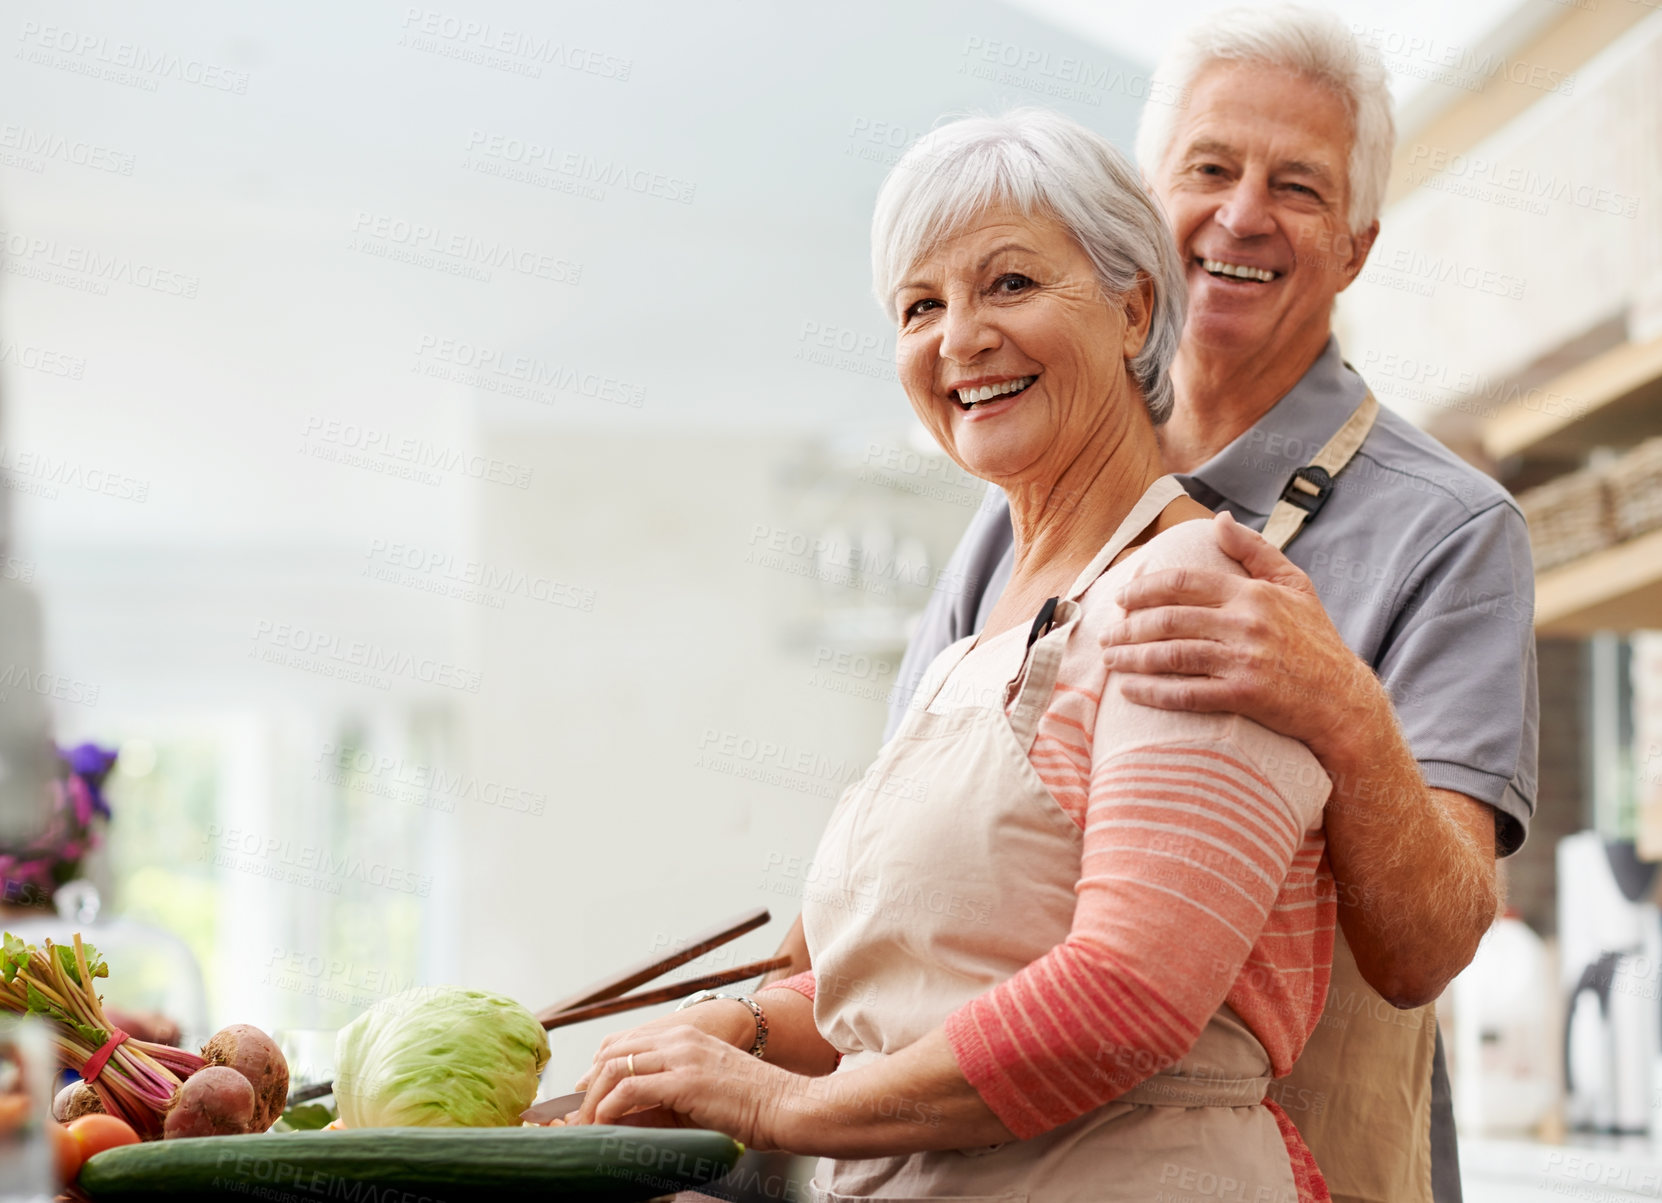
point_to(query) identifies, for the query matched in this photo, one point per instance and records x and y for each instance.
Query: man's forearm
(1415, 867)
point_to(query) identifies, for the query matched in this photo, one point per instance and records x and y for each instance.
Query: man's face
(1256, 185)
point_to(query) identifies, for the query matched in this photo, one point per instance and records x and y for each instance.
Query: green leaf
(96, 965)
(39, 1004)
(66, 961)
(93, 1036)
(308, 1117)
(14, 957)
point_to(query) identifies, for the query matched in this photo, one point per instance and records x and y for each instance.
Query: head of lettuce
(439, 1057)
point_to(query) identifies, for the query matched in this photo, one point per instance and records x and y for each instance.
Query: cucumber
(414, 1165)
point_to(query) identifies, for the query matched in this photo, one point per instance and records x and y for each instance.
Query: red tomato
(95, 1133)
(66, 1153)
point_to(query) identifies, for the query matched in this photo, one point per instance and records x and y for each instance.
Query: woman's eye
(1012, 282)
(919, 307)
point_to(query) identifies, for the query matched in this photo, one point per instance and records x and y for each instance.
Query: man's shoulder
(1401, 462)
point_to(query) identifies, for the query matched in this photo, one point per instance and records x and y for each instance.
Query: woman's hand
(728, 1021)
(674, 1075)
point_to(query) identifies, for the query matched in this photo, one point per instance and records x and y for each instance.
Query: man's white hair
(1314, 43)
(1043, 165)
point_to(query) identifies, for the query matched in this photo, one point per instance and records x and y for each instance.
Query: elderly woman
(1067, 959)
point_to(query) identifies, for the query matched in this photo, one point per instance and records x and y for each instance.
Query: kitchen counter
(1523, 1171)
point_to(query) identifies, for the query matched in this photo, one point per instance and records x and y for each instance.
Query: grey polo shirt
(1423, 564)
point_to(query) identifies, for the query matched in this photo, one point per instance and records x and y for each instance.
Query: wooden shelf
(1617, 589)
(1612, 400)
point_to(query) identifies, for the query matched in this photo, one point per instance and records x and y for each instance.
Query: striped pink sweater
(1203, 880)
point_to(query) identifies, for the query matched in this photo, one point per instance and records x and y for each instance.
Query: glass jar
(26, 1172)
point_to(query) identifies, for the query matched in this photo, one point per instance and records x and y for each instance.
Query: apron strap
(1037, 680)
(1187, 1090)
(1309, 487)
(1044, 656)
(1159, 495)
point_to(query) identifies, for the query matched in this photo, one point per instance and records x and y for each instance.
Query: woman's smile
(987, 395)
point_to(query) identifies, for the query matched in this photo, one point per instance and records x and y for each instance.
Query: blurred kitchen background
(452, 453)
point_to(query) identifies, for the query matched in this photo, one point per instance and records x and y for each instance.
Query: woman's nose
(966, 333)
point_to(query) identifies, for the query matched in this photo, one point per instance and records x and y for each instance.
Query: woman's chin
(999, 466)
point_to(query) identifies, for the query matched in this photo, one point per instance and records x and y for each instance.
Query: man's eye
(1307, 191)
(1012, 282)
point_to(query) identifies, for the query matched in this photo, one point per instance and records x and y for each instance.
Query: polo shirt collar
(1253, 470)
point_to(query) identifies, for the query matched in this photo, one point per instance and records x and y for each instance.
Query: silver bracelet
(756, 1049)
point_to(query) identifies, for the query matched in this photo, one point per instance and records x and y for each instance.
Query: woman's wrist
(727, 1019)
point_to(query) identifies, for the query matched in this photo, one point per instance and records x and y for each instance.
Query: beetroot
(213, 1102)
(248, 1051)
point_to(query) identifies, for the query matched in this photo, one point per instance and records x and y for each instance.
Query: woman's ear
(1137, 303)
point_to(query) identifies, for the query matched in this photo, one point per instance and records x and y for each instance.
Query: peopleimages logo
(538, 160)
(30, 255)
(526, 53)
(1489, 179)
(353, 443)
(40, 145)
(125, 63)
(356, 660)
(470, 580)
(456, 252)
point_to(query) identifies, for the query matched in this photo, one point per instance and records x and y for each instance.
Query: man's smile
(1237, 271)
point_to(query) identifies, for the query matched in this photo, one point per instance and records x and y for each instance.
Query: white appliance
(1611, 958)
(1505, 1049)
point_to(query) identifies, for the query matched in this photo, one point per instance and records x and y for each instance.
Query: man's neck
(1221, 396)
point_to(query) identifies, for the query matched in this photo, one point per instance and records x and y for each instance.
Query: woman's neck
(1060, 525)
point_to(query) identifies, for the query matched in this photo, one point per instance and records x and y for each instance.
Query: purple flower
(90, 764)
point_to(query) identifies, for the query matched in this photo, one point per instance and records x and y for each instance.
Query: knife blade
(551, 1109)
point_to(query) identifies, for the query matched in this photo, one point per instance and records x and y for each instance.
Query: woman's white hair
(1310, 41)
(1043, 165)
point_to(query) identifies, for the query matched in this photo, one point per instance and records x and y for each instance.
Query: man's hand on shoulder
(1415, 866)
(1258, 645)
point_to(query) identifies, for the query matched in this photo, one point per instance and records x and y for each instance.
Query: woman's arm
(794, 1042)
(1186, 850)
(915, 1100)
(795, 946)
(1193, 827)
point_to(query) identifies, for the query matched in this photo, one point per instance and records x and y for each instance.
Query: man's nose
(1245, 212)
(966, 333)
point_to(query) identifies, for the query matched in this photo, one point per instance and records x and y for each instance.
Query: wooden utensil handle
(676, 956)
(663, 994)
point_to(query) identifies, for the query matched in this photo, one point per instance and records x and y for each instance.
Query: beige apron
(1360, 1094)
(946, 870)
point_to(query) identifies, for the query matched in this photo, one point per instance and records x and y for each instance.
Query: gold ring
(631, 1064)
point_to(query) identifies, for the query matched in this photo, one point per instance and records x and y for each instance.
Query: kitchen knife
(541, 1113)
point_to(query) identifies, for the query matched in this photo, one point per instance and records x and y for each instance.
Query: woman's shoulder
(1192, 544)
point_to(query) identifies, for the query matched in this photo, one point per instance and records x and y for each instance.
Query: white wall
(693, 729)
(1526, 241)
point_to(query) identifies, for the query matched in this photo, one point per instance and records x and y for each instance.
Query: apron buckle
(1308, 488)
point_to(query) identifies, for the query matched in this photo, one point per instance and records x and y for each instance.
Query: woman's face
(1009, 351)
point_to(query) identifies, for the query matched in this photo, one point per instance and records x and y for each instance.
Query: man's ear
(1137, 303)
(1360, 245)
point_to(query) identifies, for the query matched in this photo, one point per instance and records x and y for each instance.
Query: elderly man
(1394, 639)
